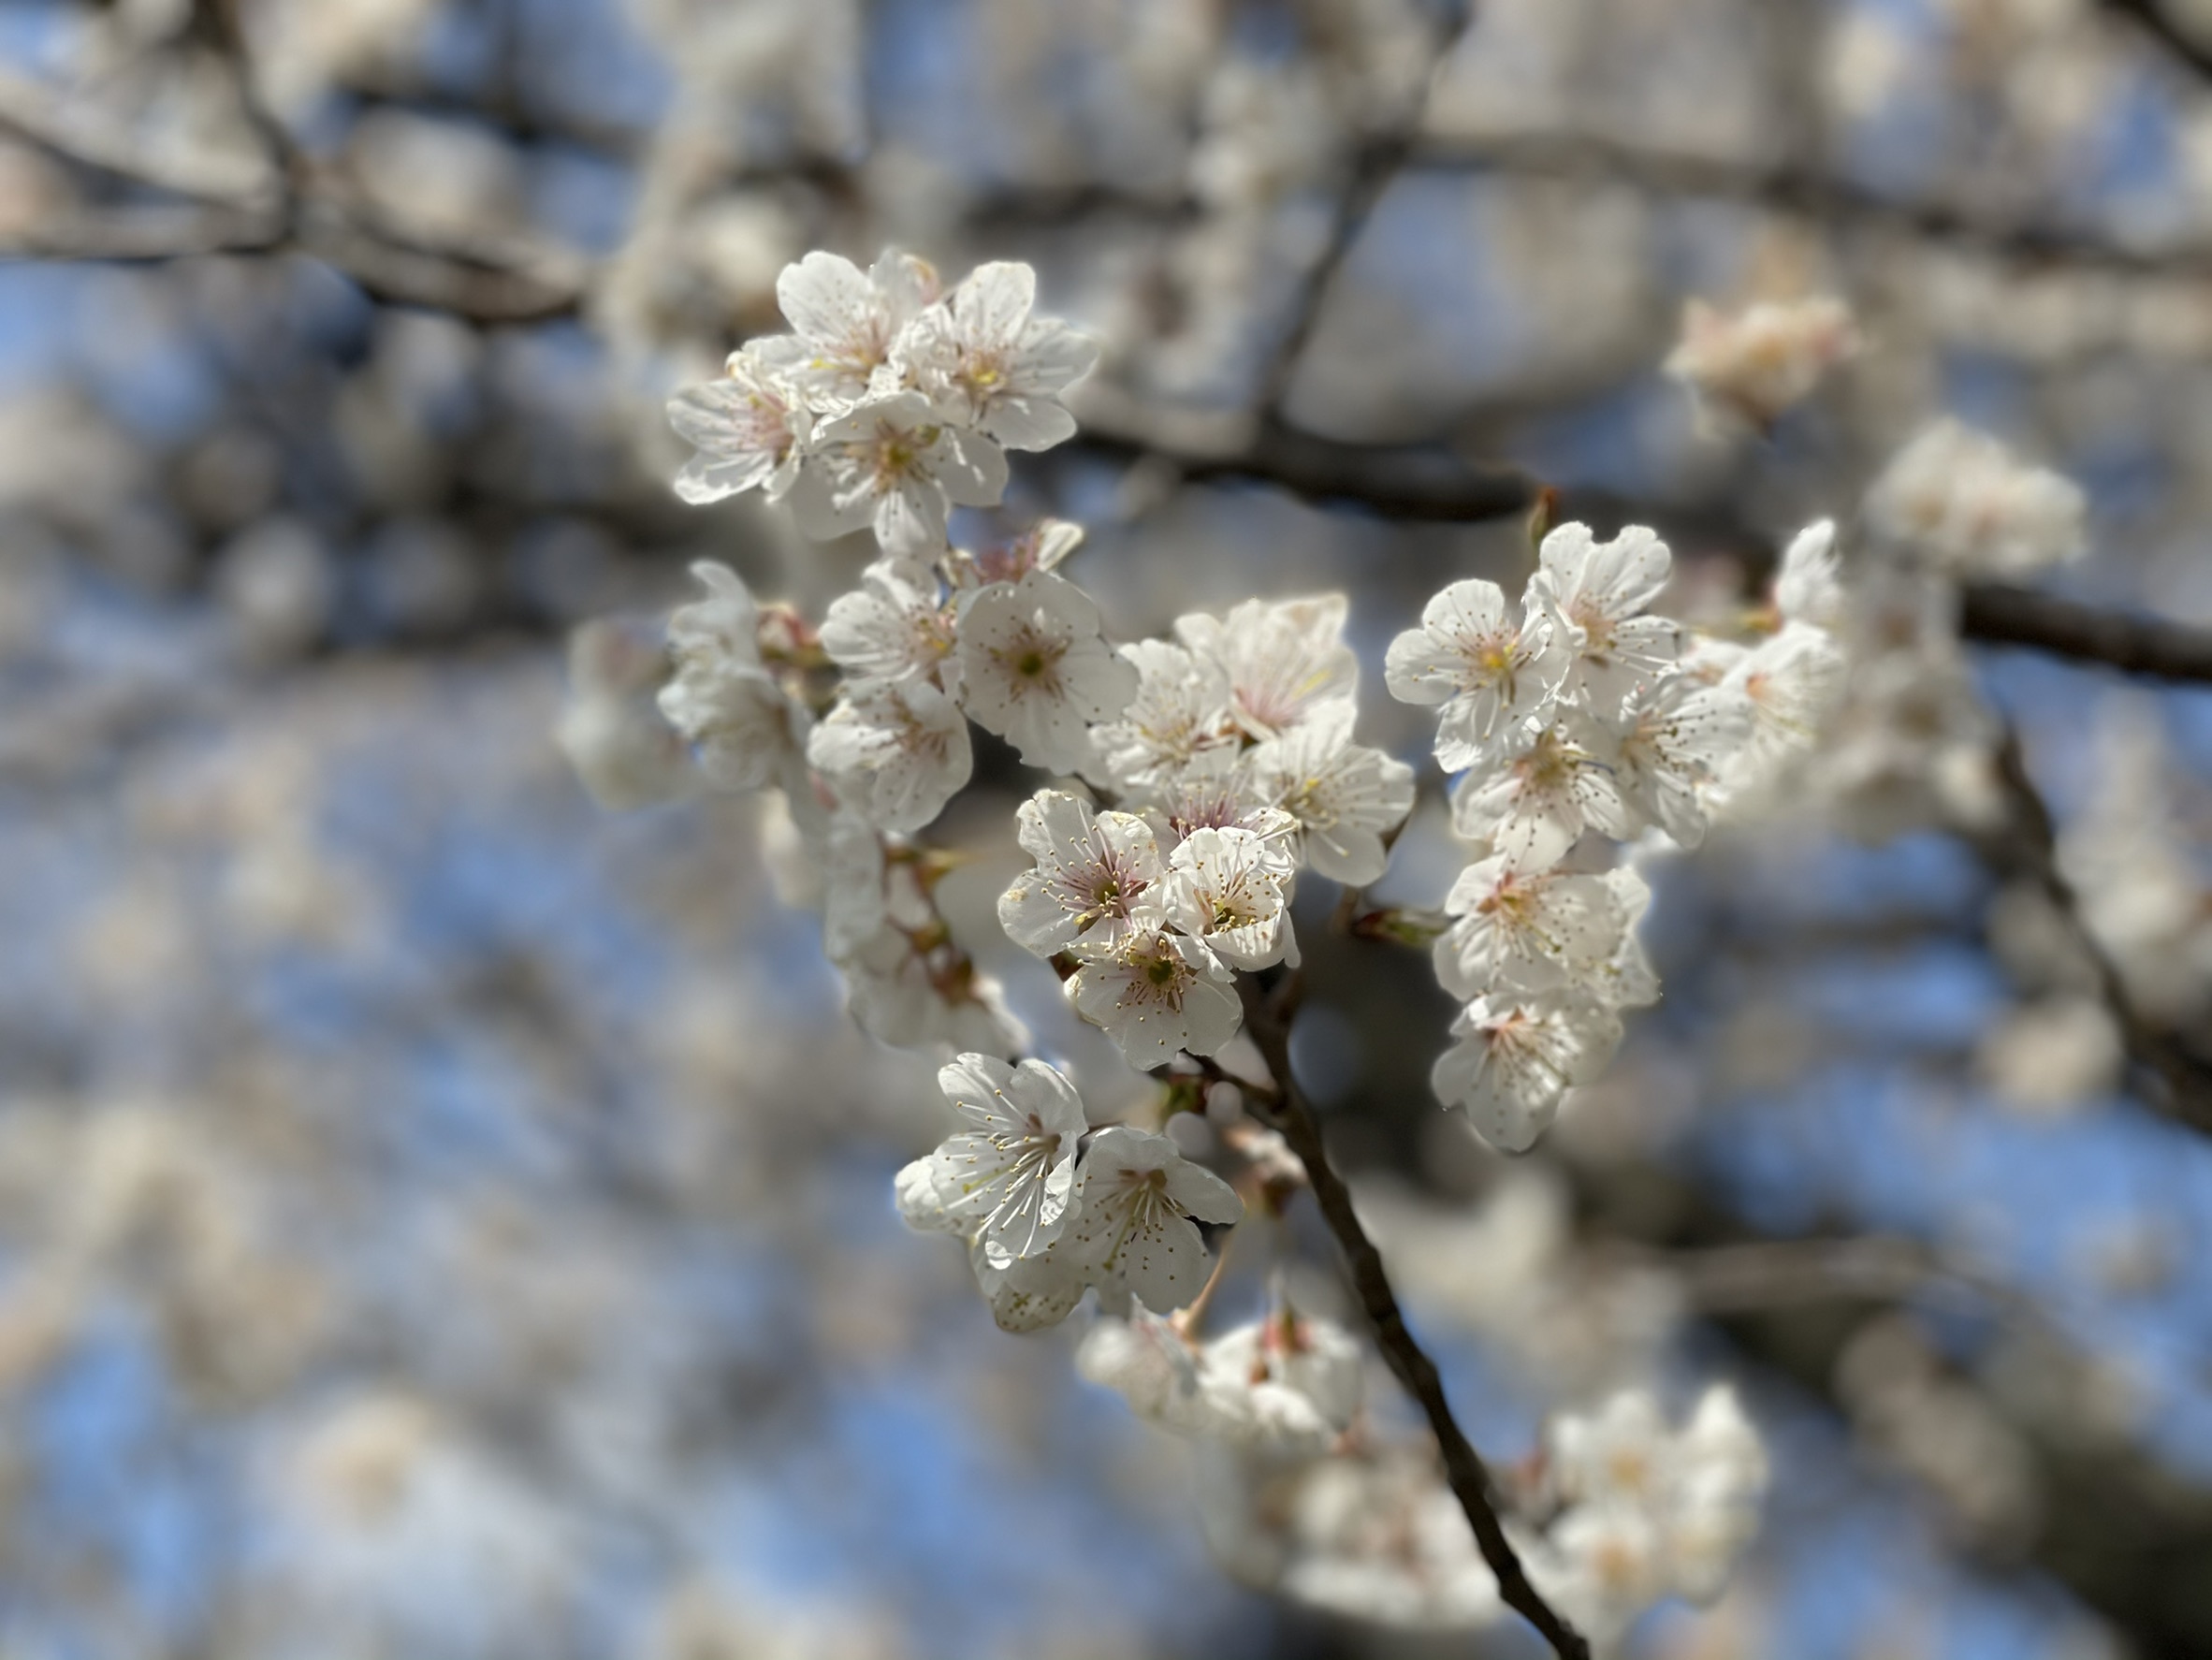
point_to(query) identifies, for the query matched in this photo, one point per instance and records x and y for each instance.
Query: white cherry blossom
(845, 322)
(988, 362)
(891, 464)
(1098, 877)
(908, 991)
(749, 429)
(1155, 993)
(1228, 887)
(1649, 1511)
(1535, 807)
(1719, 1478)
(1974, 509)
(892, 628)
(1515, 1055)
(1147, 1361)
(895, 751)
(1033, 668)
(1808, 583)
(1674, 738)
(1596, 593)
(1007, 1180)
(1493, 672)
(1523, 930)
(1602, 1565)
(1285, 659)
(1178, 715)
(1627, 979)
(1135, 1229)
(1030, 1293)
(611, 727)
(1790, 684)
(1379, 1537)
(862, 887)
(1620, 1453)
(1217, 791)
(721, 698)
(1758, 364)
(1285, 1383)
(1344, 795)
(1041, 548)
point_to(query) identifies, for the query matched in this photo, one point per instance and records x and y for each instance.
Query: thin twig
(2181, 1084)
(1267, 1017)
(1375, 161)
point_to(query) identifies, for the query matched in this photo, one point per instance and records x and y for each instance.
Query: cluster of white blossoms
(1962, 502)
(1580, 710)
(1754, 367)
(1050, 1208)
(1284, 1384)
(1618, 1511)
(1913, 743)
(1234, 765)
(1192, 778)
(1639, 1511)
(889, 402)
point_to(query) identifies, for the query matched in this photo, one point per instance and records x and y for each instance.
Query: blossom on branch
(845, 321)
(1597, 594)
(1097, 877)
(1758, 364)
(1134, 1235)
(1344, 796)
(1034, 669)
(1155, 993)
(721, 698)
(749, 429)
(1230, 888)
(1008, 1181)
(1517, 1055)
(895, 751)
(1968, 505)
(1495, 673)
(986, 361)
(891, 464)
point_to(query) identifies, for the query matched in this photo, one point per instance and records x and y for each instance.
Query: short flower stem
(1267, 1018)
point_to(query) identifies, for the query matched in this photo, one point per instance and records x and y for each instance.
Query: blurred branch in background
(459, 1190)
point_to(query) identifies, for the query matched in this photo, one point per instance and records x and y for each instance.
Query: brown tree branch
(1267, 1018)
(2179, 1084)
(2184, 44)
(1786, 186)
(1422, 482)
(1375, 161)
(2151, 646)
(1758, 1275)
(296, 207)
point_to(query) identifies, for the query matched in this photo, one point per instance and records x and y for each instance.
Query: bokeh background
(441, 1219)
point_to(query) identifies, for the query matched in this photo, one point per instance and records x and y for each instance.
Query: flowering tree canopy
(1105, 829)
